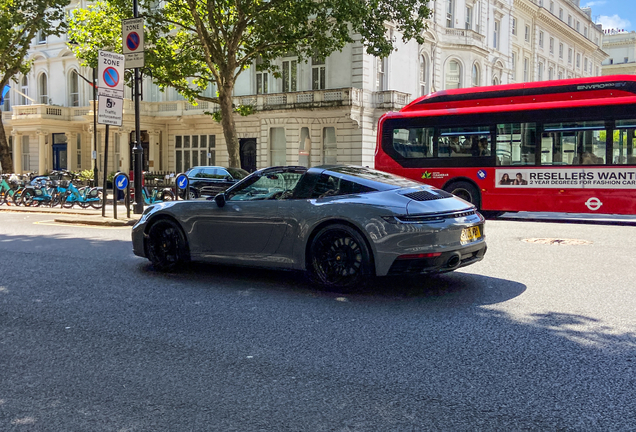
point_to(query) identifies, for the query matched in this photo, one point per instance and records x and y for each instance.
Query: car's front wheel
(339, 257)
(167, 249)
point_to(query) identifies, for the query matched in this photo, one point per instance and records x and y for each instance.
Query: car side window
(222, 174)
(329, 185)
(270, 186)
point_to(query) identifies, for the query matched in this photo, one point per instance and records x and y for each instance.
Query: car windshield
(377, 176)
(238, 173)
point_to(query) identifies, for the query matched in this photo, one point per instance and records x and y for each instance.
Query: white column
(42, 153)
(71, 151)
(17, 152)
(124, 147)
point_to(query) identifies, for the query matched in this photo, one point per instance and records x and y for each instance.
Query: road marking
(54, 223)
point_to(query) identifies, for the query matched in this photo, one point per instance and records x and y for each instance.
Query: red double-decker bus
(557, 146)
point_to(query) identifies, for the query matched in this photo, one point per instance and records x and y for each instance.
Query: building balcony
(463, 37)
(389, 100)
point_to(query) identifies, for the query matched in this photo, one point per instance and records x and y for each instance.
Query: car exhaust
(454, 261)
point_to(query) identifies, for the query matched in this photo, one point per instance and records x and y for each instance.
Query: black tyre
(193, 194)
(65, 203)
(339, 258)
(167, 249)
(16, 198)
(3, 197)
(466, 191)
(27, 198)
(98, 204)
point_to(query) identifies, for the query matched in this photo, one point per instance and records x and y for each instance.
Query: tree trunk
(5, 151)
(229, 127)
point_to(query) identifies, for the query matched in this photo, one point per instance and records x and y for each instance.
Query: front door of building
(59, 152)
(247, 148)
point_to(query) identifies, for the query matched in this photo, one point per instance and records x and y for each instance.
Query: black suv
(211, 180)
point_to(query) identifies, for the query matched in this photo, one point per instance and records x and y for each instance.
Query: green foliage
(242, 110)
(195, 45)
(20, 22)
(84, 175)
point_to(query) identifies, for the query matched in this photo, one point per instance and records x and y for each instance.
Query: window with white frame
(514, 26)
(191, 150)
(578, 61)
(570, 55)
(318, 73)
(78, 151)
(329, 146)
(526, 67)
(380, 74)
(585, 32)
(560, 75)
(26, 153)
(423, 75)
(277, 147)
(43, 88)
(24, 100)
(495, 39)
(73, 86)
(540, 39)
(551, 74)
(570, 20)
(262, 84)
(40, 37)
(551, 45)
(290, 75)
(561, 14)
(578, 26)
(475, 75)
(469, 17)
(450, 13)
(551, 7)
(540, 72)
(560, 50)
(453, 75)
(527, 34)
(585, 62)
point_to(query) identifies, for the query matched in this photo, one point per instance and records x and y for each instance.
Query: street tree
(194, 45)
(20, 22)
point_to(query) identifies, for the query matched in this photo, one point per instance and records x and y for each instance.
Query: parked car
(211, 180)
(339, 223)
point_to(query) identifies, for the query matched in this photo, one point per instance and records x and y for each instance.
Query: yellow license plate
(470, 234)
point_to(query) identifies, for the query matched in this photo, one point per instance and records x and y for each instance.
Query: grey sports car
(339, 223)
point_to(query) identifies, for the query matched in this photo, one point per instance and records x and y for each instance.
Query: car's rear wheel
(193, 194)
(465, 191)
(167, 250)
(339, 257)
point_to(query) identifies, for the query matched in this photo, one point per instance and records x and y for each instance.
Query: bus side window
(413, 143)
(579, 143)
(516, 144)
(624, 143)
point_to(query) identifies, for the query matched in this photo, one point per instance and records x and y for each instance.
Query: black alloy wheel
(465, 191)
(167, 249)
(340, 258)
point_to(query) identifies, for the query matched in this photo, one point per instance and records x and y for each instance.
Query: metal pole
(115, 193)
(104, 189)
(95, 173)
(138, 150)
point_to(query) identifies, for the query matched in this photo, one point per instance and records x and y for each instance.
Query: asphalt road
(535, 337)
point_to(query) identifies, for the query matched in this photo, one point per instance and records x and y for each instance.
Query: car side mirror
(220, 199)
(228, 178)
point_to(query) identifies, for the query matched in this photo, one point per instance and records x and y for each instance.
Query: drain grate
(557, 241)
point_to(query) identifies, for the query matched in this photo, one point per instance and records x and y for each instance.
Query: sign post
(120, 183)
(133, 47)
(110, 88)
(183, 183)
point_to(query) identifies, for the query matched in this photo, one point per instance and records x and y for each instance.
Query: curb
(100, 222)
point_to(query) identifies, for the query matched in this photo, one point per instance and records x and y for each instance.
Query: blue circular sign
(481, 174)
(182, 181)
(121, 182)
(111, 77)
(132, 41)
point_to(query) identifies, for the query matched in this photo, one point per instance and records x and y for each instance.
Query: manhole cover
(557, 241)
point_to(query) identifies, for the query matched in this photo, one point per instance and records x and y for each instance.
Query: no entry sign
(110, 75)
(133, 42)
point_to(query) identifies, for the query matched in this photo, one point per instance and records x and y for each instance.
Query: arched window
(475, 76)
(43, 89)
(73, 86)
(495, 81)
(453, 74)
(423, 75)
(25, 91)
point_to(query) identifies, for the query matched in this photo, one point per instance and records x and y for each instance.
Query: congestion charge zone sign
(133, 42)
(110, 88)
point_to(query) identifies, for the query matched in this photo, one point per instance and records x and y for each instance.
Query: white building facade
(322, 111)
(621, 49)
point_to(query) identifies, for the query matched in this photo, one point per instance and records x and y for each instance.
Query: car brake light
(423, 255)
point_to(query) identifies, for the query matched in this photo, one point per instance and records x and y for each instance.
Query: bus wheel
(465, 191)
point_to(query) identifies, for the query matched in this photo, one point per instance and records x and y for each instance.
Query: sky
(613, 14)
